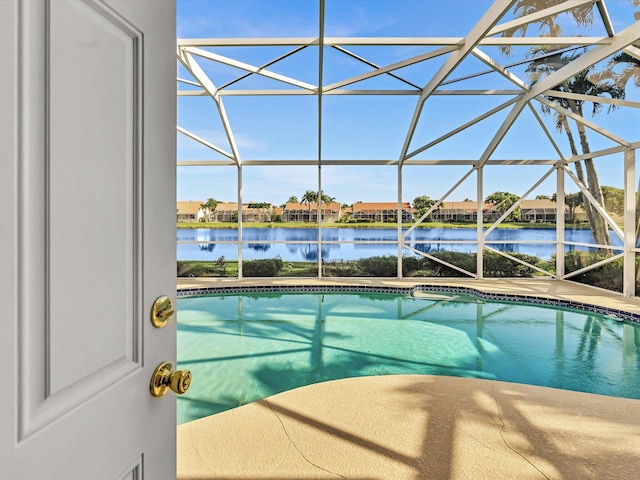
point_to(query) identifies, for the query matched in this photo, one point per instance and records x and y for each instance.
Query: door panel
(87, 184)
(93, 70)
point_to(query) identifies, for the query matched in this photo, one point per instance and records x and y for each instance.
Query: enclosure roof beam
(592, 98)
(199, 74)
(249, 68)
(594, 203)
(487, 60)
(488, 20)
(601, 52)
(633, 51)
(455, 131)
(546, 131)
(204, 142)
(390, 68)
(285, 92)
(378, 163)
(582, 120)
(606, 20)
(268, 64)
(597, 54)
(536, 16)
(371, 64)
(387, 41)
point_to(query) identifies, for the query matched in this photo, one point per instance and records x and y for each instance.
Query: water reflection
(363, 242)
(265, 344)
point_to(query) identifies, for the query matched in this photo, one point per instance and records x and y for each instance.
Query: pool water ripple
(243, 347)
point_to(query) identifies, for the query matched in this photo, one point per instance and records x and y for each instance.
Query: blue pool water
(241, 348)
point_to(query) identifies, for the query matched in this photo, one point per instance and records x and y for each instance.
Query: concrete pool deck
(420, 426)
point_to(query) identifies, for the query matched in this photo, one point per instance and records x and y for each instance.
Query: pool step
(442, 297)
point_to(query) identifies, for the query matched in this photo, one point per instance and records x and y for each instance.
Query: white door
(87, 238)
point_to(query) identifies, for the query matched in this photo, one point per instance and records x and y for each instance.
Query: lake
(362, 242)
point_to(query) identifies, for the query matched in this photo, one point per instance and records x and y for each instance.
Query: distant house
(541, 210)
(464, 212)
(189, 211)
(456, 212)
(301, 212)
(346, 213)
(382, 211)
(228, 212)
(277, 212)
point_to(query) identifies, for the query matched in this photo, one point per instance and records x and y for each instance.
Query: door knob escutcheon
(161, 311)
(164, 378)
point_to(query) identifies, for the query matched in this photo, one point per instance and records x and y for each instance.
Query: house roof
(463, 206)
(538, 204)
(188, 208)
(333, 206)
(233, 207)
(376, 206)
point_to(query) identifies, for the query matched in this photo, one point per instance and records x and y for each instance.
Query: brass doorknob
(164, 378)
(161, 311)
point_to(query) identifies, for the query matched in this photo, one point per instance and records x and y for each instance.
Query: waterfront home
(228, 212)
(382, 211)
(189, 211)
(302, 212)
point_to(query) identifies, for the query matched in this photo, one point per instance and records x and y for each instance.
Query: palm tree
(584, 82)
(309, 197)
(326, 198)
(583, 15)
(209, 207)
(629, 71)
(580, 83)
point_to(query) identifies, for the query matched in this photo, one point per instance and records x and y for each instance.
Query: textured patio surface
(415, 427)
(419, 426)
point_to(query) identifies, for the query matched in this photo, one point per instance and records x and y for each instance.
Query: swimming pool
(243, 347)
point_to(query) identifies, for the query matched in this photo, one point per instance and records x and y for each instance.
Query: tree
(422, 204)
(326, 198)
(583, 15)
(292, 199)
(502, 201)
(309, 197)
(613, 199)
(543, 197)
(580, 83)
(572, 201)
(622, 69)
(547, 63)
(209, 207)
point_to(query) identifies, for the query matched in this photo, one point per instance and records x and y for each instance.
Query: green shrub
(496, 265)
(268, 267)
(608, 276)
(466, 261)
(410, 265)
(340, 268)
(384, 266)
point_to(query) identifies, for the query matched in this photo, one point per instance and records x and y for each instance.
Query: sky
(367, 127)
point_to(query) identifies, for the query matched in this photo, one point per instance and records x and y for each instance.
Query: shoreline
(388, 226)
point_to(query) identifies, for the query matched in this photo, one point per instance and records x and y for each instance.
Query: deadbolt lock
(164, 378)
(161, 311)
